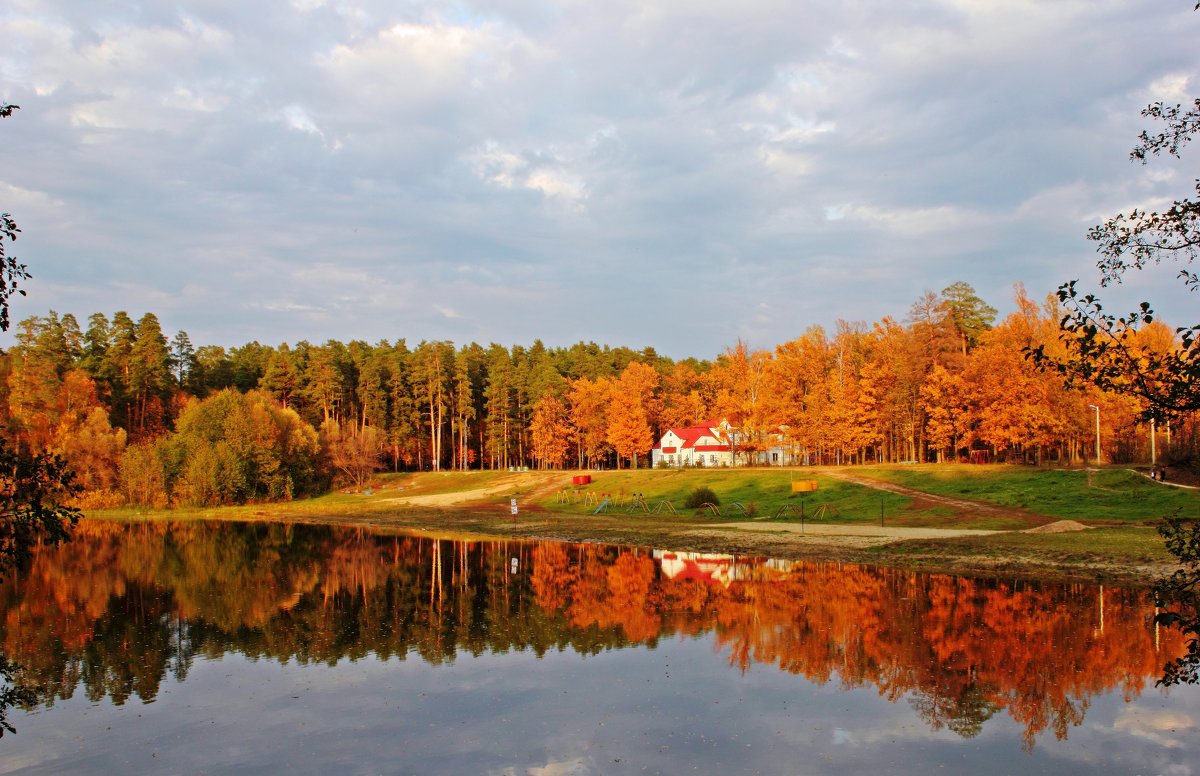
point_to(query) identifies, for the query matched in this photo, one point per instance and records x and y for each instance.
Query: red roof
(693, 434)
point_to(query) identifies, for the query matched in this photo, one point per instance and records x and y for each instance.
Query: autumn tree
(589, 402)
(739, 379)
(551, 433)
(944, 401)
(797, 396)
(32, 485)
(354, 450)
(93, 450)
(683, 397)
(232, 447)
(628, 428)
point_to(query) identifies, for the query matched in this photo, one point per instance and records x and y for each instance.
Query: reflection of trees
(130, 605)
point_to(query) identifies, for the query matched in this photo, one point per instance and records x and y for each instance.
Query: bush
(97, 499)
(701, 496)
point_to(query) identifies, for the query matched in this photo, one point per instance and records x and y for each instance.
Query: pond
(257, 648)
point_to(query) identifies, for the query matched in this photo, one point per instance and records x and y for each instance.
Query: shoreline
(962, 552)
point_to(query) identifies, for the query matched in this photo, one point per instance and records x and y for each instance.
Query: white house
(718, 444)
(692, 446)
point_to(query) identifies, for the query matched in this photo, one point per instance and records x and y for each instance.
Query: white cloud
(505, 169)
(426, 62)
(913, 221)
(298, 119)
(1174, 87)
(556, 183)
(496, 166)
(19, 199)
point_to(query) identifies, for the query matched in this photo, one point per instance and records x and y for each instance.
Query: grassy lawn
(764, 492)
(1123, 547)
(1104, 496)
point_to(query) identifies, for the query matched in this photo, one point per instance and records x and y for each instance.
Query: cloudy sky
(676, 174)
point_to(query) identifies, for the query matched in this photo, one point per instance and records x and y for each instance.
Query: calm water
(218, 648)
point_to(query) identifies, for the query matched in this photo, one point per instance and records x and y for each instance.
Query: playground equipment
(826, 510)
(786, 509)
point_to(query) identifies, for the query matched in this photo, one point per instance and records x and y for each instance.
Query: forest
(144, 419)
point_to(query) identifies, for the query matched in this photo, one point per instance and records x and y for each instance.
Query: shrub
(701, 496)
(97, 499)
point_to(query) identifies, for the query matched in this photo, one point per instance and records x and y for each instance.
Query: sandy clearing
(1062, 526)
(538, 481)
(449, 499)
(858, 535)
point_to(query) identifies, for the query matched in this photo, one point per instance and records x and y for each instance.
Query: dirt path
(532, 485)
(921, 499)
(854, 535)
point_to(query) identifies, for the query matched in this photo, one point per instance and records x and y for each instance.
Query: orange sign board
(804, 486)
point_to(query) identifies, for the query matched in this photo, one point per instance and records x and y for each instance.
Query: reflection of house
(719, 444)
(700, 566)
(718, 568)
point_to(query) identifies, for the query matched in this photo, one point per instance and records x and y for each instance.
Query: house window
(712, 458)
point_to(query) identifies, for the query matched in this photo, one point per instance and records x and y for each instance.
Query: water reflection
(124, 607)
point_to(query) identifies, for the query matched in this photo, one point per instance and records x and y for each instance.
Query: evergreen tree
(969, 315)
(183, 356)
(150, 378)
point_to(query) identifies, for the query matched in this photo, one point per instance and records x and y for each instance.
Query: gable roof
(690, 436)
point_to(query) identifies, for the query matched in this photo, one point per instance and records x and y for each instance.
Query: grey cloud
(599, 163)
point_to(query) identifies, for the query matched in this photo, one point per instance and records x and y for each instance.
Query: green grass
(1108, 552)
(767, 490)
(1106, 495)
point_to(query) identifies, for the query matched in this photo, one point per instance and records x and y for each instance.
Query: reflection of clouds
(1165, 728)
(572, 766)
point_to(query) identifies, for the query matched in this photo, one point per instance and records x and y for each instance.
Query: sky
(678, 174)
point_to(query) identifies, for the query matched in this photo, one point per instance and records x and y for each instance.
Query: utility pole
(1097, 409)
